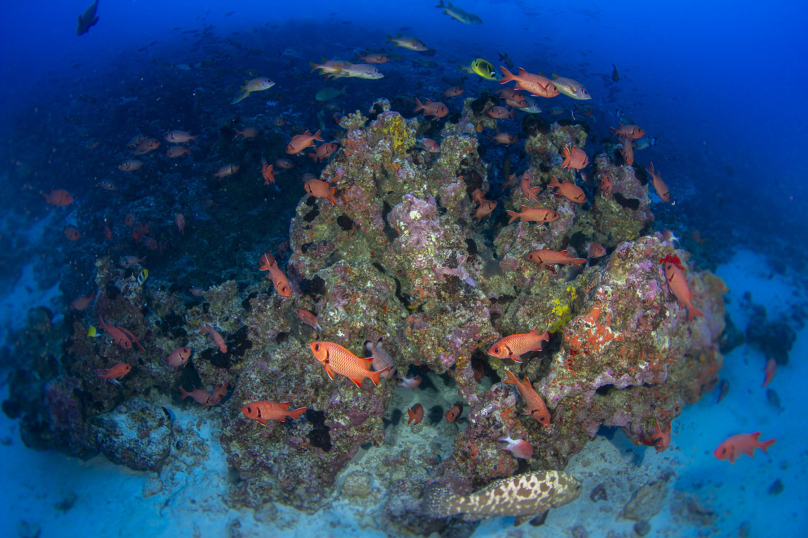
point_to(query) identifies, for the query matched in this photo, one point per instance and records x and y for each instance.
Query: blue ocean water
(720, 87)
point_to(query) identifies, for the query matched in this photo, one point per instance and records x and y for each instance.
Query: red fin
(374, 376)
(511, 379)
(358, 382)
(297, 412)
(330, 374)
(262, 421)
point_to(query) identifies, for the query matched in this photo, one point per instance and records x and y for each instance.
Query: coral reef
(399, 257)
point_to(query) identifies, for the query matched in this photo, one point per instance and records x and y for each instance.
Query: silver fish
(526, 496)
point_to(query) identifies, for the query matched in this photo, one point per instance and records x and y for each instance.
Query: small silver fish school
(525, 497)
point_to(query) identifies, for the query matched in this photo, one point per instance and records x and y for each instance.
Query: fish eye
(249, 409)
(317, 347)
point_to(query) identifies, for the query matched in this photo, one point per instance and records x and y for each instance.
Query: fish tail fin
(507, 76)
(184, 393)
(389, 39)
(331, 195)
(694, 312)
(439, 501)
(374, 376)
(314, 67)
(553, 181)
(441, 4)
(766, 444)
(295, 414)
(511, 379)
(514, 215)
(420, 105)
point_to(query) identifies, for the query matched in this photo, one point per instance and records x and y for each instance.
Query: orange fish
(576, 159)
(280, 121)
(179, 220)
(534, 404)
(485, 209)
(263, 410)
(509, 93)
(535, 84)
(744, 443)
(436, 108)
(534, 214)
(136, 140)
(267, 172)
(568, 190)
(770, 370)
(178, 358)
(500, 113)
(338, 360)
(226, 170)
(518, 447)
(115, 373)
(551, 257)
(302, 141)
(628, 131)
(107, 232)
(678, 285)
(72, 233)
(132, 338)
(309, 319)
(453, 413)
(595, 250)
(150, 243)
(320, 189)
(453, 92)
(517, 104)
(58, 197)
(661, 189)
(217, 338)
(505, 138)
(130, 166)
(478, 196)
(416, 414)
(606, 184)
(628, 151)
(524, 186)
(427, 144)
(177, 151)
(516, 345)
(200, 396)
(662, 438)
(140, 231)
(324, 152)
(129, 220)
(118, 336)
(410, 383)
(268, 263)
(83, 302)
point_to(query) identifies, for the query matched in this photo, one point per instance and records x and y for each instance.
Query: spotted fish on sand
(526, 497)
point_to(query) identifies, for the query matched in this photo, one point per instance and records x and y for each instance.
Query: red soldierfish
(744, 443)
(534, 214)
(570, 191)
(282, 287)
(436, 108)
(661, 189)
(338, 360)
(527, 190)
(453, 413)
(217, 338)
(309, 319)
(263, 410)
(58, 197)
(320, 189)
(662, 438)
(200, 396)
(302, 141)
(416, 414)
(576, 158)
(771, 369)
(551, 257)
(678, 285)
(535, 84)
(118, 336)
(178, 358)
(82, 302)
(516, 345)
(534, 404)
(628, 131)
(113, 374)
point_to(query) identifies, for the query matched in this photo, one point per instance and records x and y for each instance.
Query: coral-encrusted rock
(297, 462)
(136, 434)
